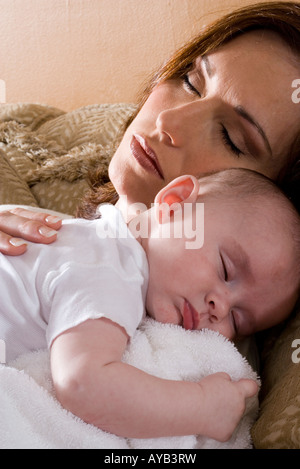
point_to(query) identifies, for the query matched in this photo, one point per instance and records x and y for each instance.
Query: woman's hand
(19, 225)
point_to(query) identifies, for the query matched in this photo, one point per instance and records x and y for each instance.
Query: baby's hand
(224, 403)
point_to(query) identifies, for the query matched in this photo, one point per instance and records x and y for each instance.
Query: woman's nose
(177, 124)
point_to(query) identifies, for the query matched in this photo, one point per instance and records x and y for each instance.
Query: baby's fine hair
(251, 188)
(243, 183)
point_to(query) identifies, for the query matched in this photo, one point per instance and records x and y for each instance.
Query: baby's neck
(133, 214)
(128, 211)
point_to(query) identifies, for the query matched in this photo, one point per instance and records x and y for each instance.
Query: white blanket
(31, 417)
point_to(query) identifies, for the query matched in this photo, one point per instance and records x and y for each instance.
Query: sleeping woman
(222, 101)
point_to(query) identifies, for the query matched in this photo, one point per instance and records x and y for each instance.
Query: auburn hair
(281, 17)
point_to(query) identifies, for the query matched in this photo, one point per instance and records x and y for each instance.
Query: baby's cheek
(161, 308)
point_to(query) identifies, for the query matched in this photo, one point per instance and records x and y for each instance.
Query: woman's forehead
(261, 41)
(258, 69)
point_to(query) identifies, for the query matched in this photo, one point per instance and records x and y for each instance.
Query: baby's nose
(218, 310)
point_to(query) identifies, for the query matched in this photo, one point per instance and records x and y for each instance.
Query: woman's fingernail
(47, 232)
(52, 220)
(17, 242)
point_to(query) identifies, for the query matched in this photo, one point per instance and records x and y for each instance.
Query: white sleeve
(78, 292)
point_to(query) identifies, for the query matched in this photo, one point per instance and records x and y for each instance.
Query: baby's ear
(179, 191)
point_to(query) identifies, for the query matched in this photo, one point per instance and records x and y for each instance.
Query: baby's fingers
(248, 387)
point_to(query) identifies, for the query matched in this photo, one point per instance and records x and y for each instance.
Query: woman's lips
(190, 316)
(145, 156)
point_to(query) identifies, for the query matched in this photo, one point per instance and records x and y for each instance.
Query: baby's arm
(92, 382)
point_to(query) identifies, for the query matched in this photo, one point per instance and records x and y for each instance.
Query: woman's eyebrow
(210, 70)
(245, 115)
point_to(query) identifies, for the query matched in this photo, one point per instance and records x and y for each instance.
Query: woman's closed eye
(224, 132)
(228, 142)
(189, 86)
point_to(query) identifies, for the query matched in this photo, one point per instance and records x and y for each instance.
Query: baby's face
(241, 281)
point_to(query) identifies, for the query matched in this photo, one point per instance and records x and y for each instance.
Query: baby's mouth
(190, 316)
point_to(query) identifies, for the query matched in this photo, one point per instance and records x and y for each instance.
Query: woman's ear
(179, 191)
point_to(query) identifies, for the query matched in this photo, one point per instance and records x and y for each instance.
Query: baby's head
(245, 277)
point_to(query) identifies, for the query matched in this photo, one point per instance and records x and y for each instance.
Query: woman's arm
(91, 381)
(19, 225)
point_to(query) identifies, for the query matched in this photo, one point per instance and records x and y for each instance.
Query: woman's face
(233, 109)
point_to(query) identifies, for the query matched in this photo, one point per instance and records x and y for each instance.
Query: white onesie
(95, 269)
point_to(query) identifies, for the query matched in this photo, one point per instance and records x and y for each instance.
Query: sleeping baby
(85, 296)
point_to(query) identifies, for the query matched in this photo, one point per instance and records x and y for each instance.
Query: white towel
(31, 417)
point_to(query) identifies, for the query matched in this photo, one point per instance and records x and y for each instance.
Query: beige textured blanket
(48, 153)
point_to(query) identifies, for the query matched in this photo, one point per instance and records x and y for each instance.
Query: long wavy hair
(281, 17)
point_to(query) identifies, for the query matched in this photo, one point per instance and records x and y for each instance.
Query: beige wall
(69, 53)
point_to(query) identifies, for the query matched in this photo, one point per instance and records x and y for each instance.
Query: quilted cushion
(53, 151)
(13, 190)
(278, 425)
